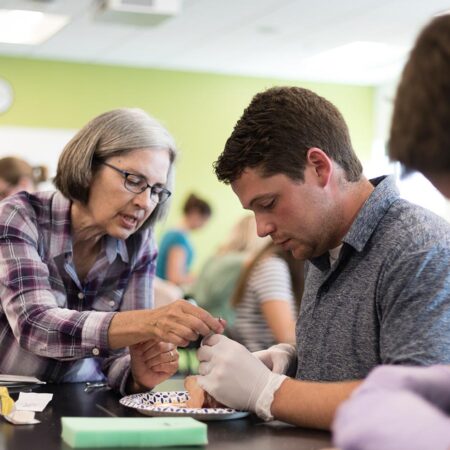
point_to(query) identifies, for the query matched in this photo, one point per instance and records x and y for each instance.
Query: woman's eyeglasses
(138, 184)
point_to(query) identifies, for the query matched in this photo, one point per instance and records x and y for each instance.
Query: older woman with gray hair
(77, 265)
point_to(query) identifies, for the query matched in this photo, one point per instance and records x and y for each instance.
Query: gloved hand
(234, 377)
(278, 358)
(431, 383)
(390, 420)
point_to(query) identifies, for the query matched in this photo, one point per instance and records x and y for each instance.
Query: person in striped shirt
(266, 299)
(77, 264)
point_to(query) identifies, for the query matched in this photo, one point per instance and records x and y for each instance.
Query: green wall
(199, 109)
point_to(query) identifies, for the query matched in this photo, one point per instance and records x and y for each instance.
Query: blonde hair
(113, 133)
(243, 237)
(296, 271)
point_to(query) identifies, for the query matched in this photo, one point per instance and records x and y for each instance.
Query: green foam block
(85, 432)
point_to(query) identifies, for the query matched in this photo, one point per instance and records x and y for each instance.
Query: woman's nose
(145, 200)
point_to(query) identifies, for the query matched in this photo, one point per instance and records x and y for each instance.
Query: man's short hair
(276, 131)
(113, 133)
(420, 132)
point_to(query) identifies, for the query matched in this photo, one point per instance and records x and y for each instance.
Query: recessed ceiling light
(29, 27)
(359, 53)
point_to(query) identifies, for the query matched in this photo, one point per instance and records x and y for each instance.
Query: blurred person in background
(176, 252)
(219, 275)
(77, 264)
(267, 298)
(17, 175)
(217, 281)
(409, 407)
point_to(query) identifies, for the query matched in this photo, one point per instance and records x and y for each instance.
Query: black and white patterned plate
(162, 404)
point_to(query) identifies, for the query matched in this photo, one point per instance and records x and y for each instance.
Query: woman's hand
(177, 323)
(151, 363)
(181, 322)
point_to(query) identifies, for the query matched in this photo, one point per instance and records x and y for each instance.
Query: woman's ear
(321, 164)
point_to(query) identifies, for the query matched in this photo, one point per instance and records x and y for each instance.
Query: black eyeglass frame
(154, 190)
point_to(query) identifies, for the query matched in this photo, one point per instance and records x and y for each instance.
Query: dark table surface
(71, 400)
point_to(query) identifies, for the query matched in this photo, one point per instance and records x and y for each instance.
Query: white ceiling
(272, 38)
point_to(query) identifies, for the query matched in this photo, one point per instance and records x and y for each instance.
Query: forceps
(100, 385)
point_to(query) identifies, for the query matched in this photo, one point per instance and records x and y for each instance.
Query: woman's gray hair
(113, 133)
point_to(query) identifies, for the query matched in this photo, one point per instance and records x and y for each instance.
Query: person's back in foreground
(406, 407)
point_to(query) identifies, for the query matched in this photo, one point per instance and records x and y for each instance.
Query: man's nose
(264, 227)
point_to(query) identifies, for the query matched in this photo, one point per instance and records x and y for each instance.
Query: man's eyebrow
(258, 198)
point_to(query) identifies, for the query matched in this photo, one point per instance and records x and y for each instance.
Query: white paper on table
(7, 379)
(31, 401)
(21, 417)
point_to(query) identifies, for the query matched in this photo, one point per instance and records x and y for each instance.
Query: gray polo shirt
(385, 301)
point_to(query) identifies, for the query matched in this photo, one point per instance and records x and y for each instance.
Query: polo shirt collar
(367, 219)
(371, 213)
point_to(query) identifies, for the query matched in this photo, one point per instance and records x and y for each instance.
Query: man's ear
(321, 164)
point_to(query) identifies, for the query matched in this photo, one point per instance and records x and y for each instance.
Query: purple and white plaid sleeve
(29, 303)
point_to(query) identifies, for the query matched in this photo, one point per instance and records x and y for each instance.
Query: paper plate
(165, 404)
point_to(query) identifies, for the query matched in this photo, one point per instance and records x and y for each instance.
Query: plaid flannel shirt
(49, 320)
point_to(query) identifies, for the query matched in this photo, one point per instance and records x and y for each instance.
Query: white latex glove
(278, 358)
(234, 377)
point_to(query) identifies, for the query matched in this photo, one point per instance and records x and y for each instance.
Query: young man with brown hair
(377, 265)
